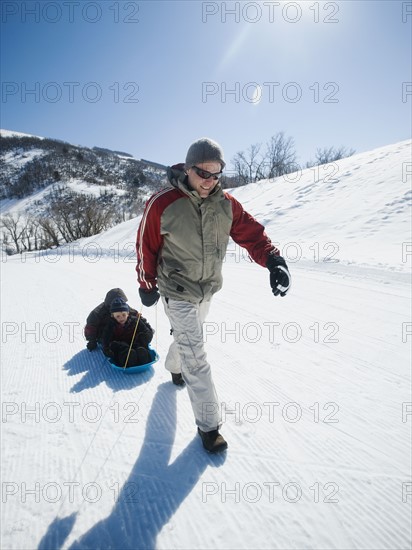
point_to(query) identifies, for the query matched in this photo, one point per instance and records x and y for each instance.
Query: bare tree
(29, 237)
(76, 216)
(50, 233)
(5, 241)
(280, 156)
(240, 164)
(330, 154)
(249, 166)
(14, 229)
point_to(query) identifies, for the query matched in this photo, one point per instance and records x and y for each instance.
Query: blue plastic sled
(138, 368)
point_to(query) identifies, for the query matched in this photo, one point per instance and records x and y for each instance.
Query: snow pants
(187, 355)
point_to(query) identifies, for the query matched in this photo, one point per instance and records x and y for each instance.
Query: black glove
(149, 297)
(115, 346)
(91, 345)
(280, 279)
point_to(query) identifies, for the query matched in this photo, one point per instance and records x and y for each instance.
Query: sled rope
(134, 334)
(156, 324)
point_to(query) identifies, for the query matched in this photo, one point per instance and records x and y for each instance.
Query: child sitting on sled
(100, 316)
(118, 336)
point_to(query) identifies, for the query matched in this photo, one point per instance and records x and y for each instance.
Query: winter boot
(212, 441)
(132, 361)
(120, 351)
(178, 379)
(143, 356)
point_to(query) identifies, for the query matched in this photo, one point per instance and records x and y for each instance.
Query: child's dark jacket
(100, 316)
(115, 332)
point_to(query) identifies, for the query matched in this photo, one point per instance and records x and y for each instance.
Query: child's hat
(119, 305)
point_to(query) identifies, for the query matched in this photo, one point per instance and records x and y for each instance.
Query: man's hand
(280, 279)
(149, 297)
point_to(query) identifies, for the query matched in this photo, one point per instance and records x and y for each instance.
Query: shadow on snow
(97, 370)
(153, 491)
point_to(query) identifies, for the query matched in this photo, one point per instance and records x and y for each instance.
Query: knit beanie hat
(204, 150)
(119, 305)
(112, 294)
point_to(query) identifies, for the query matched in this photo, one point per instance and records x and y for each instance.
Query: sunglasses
(205, 175)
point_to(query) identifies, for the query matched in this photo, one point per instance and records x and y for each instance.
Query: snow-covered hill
(33, 168)
(315, 387)
(356, 209)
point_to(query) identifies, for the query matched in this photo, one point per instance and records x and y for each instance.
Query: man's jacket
(182, 239)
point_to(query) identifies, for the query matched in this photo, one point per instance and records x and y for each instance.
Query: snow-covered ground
(29, 204)
(315, 387)
(20, 157)
(79, 186)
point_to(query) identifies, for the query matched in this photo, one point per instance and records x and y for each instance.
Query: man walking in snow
(181, 244)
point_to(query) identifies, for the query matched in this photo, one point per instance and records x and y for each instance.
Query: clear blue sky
(148, 78)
